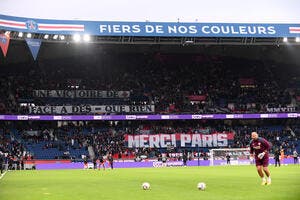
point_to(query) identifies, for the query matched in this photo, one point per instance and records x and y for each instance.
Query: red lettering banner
(179, 140)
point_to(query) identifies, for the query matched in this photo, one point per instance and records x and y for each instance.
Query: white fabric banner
(91, 109)
(80, 94)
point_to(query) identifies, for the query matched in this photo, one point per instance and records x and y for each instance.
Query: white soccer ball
(201, 186)
(146, 186)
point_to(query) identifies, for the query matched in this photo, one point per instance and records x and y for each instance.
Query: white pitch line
(2, 175)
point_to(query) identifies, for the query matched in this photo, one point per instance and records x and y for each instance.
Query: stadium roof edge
(184, 41)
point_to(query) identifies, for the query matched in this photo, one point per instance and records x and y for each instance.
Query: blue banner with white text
(151, 29)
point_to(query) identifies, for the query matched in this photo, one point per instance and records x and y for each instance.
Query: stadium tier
(153, 83)
(133, 140)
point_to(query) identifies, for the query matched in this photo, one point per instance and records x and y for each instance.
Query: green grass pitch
(223, 183)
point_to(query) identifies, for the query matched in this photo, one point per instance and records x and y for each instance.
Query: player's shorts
(262, 162)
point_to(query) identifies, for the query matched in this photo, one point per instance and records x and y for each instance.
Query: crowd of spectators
(106, 139)
(12, 151)
(173, 83)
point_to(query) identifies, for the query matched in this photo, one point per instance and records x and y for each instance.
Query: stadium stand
(73, 141)
(174, 84)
